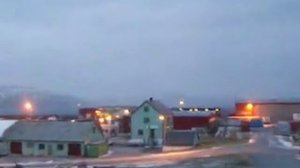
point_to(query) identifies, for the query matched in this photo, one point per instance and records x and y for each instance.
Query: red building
(183, 120)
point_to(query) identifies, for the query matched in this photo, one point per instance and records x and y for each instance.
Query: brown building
(269, 111)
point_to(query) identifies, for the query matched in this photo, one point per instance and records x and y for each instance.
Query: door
(152, 133)
(74, 150)
(16, 148)
(152, 137)
(50, 151)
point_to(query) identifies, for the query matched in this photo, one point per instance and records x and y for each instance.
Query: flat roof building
(272, 111)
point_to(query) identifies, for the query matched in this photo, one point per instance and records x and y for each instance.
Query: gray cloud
(116, 50)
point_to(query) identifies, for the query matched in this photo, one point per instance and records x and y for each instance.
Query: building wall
(95, 150)
(32, 149)
(187, 123)
(3, 148)
(137, 122)
(276, 112)
(50, 149)
(125, 124)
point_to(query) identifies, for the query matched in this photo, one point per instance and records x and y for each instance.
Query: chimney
(151, 99)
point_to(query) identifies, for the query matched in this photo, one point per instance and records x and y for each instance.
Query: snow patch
(109, 153)
(154, 164)
(136, 142)
(282, 142)
(216, 148)
(5, 124)
(175, 148)
(251, 141)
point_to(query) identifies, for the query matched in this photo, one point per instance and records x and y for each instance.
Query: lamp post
(163, 124)
(249, 109)
(181, 103)
(28, 108)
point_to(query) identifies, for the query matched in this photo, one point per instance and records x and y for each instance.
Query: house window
(41, 146)
(60, 147)
(146, 120)
(29, 145)
(146, 109)
(140, 132)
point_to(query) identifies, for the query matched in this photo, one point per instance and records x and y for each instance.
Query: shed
(55, 138)
(182, 138)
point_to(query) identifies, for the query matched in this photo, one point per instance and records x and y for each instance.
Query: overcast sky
(131, 49)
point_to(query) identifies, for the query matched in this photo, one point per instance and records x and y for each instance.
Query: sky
(123, 51)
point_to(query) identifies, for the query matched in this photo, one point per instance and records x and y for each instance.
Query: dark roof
(271, 101)
(113, 108)
(197, 108)
(43, 117)
(158, 106)
(65, 131)
(192, 114)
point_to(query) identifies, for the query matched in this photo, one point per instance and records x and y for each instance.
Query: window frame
(146, 120)
(42, 146)
(140, 132)
(146, 109)
(60, 147)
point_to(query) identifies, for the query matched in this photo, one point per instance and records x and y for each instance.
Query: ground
(228, 161)
(264, 150)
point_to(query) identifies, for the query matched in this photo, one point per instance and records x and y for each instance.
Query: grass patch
(207, 142)
(238, 161)
(242, 162)
(227, 161)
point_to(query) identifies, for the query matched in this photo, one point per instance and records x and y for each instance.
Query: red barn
(187, 120)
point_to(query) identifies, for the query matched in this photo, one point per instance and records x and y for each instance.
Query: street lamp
(28, 107)
(101, 120)
(126, 112)
(98, 113)
(161, 118)
(249, 106)
(163, 124)
(181, 103)
(108, 118)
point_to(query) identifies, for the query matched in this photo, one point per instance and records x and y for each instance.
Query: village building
(187, 120)
(149, 123)
(55, 138)
(269, 111)
(153, 124)
(113, 119)
(182, 138)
